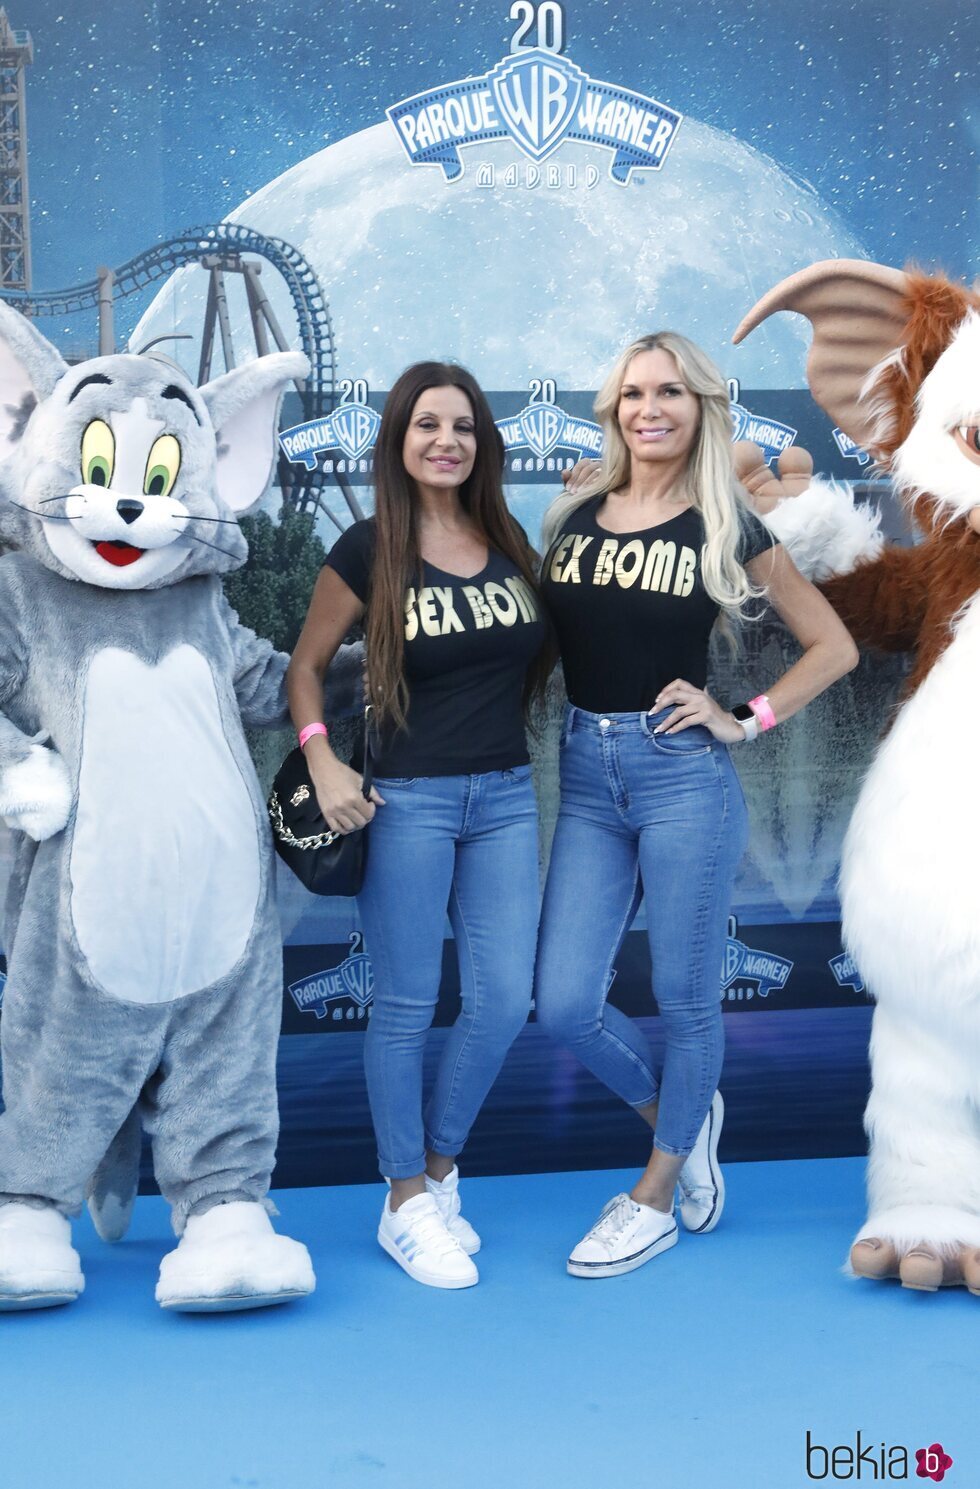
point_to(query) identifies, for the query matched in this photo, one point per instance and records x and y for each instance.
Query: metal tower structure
(16, 51)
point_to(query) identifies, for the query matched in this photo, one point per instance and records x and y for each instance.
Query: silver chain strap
(282, 832)
(318, 839)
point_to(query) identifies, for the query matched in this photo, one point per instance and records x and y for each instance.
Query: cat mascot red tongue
(895, 362)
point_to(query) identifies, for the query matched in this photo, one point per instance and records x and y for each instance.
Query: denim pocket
(386, 781)
(697, 740)
(516, 776)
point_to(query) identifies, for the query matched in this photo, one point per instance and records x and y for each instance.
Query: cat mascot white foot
(144, 956)
(895, 362)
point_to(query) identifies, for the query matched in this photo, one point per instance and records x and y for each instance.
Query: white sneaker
(701, 1185)
(624, 1237)
(230, 1258)
(39, 1267)
(415, 1236)
(445, 1192)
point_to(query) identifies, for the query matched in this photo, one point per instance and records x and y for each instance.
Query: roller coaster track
(194, 246)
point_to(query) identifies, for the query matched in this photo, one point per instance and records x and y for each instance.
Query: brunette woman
(642, 560)
(445, 580)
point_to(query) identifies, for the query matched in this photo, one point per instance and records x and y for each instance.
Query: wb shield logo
(326, 992)
(747, 973)
(770, 435)
(536, 95)
(357, 976)
(732, 960)
(541, 424)
(355, 427)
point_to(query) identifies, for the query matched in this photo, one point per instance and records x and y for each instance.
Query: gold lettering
(450, 620)
(502, 603)
(629, 562)
(604, 562)
(571, 574)
(427, 613)
(558, 558)
(659, 567)
(524, 595)
(481, 611)
(686, 565)
(411, 619)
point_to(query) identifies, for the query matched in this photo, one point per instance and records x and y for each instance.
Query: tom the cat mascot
(895, 362)
(143, 946)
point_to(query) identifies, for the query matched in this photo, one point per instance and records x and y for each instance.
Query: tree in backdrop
(272, 590)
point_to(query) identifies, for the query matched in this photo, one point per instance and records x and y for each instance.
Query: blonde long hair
(709, 480)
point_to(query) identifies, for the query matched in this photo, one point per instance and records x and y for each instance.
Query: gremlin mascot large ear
(896, 363)
(144, 958)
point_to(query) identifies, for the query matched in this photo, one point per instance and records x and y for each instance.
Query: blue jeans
(642, 814)
(467, 844)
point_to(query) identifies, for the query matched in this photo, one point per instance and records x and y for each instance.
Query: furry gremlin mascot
(895, 362)
(144, 957)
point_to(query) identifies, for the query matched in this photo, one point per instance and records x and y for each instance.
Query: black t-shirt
(630, 609)
(468, 644)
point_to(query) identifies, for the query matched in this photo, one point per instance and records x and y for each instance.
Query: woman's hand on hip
(340, 798)
(695, 706)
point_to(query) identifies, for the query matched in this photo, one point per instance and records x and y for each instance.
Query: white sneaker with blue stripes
(624, 1237)
(701, 1186)
(416, 1237)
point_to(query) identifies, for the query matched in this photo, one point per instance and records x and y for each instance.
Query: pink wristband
(762, 709)
(308, 731)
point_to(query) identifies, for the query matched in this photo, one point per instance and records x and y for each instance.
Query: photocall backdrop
(524, 189)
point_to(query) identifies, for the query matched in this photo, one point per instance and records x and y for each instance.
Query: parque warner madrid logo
(537, 99)
(352, 428)
(543, 427)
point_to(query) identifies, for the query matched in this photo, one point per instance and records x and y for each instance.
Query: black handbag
(324, 862)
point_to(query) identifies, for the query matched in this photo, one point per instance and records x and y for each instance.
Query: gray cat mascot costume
(144, 955)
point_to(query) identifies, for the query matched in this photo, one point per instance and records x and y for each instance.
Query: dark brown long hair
(397, 557)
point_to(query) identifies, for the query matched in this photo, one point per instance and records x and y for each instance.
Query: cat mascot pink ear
(244, 408)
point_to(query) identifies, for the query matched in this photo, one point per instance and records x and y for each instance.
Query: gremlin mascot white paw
(144, 956)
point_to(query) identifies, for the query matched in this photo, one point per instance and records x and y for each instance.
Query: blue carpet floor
(705, 1368)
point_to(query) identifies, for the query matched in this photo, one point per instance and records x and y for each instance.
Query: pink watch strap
(308, 731)
(762, 709)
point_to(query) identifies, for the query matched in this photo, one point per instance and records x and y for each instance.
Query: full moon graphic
(543, 281)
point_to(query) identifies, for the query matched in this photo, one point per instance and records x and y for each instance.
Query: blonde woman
(641, 562)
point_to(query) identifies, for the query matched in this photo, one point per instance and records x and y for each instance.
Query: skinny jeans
(660, 817)
(465, 844)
